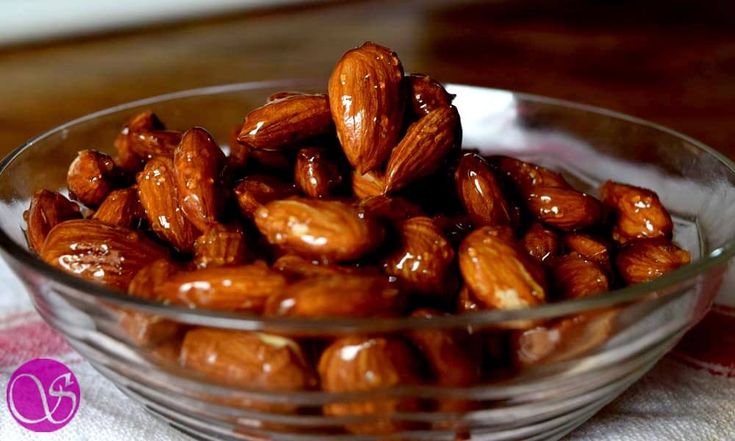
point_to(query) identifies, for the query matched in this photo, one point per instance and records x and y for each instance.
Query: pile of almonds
(358, 203)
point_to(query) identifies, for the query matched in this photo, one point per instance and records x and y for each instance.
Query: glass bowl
(568, 359)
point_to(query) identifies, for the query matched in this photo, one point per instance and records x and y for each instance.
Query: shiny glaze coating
(562, 208)
(639, 212)
(540, 242)
(643, 260)
(48, 209)
(480, 192)
(317, 175)
(427, 94)
(91, 177)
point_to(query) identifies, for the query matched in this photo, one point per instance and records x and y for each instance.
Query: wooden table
(673, 64)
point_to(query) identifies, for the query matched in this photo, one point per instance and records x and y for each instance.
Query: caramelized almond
(122, 208)
(563, 208)
(367, 185)
(591, 248)
(480, 192)
(126, 158)
(47, 210)
(256, 190)
(91, 177)
(427, 94)
(574, 277)
(643, 260)
(541, 242)
(220, 245)
(317, 175)
(639, 212)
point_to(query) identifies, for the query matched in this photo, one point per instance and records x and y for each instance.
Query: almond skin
(316, 174)
(47, 210)
(220, 245)
(240, 288)
(159, 198)
(526, 175)
(590, 248)
(91, 177)
(575, 277)
(286, 122)
(480, 192)
(366, 98)
(126, 158)
(198, 163)
(421, 151)
(423, 262)
(367, 185)
(256, 190)
(121, 207)
(499, 273)
(427, 94)
(338, 295)
(540, 242)
(563, 208)
(99, 252)
(327, 230)
(250, 359)
(356, 364)
(643, 260)
(639, 212)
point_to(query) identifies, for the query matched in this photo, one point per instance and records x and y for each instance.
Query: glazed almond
(427, 94)
(241, 288)
(297, 267)
(499, 273)
(526, 175)
(643, 260)
(286, 121)
(338, 295)
(421, 151)
(220, 245)
(256, 190)
(159, 198)
(198, 163)
(126, 158)
(423, 261)
(121, 207)
(562, 208)
(145, 282)
(366, 98)
(591, 248)
(106, 254)
(541, 242)
(91, 177)
(574, 277)
(48, 209)
(480, 192)
(639, 213)
(316, 175)
(357, 364)
(328, 230)
(367, 185)
(148, 144)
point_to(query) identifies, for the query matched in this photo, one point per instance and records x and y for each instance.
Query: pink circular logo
(43, 395)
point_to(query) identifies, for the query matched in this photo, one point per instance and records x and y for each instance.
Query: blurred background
(671, 62)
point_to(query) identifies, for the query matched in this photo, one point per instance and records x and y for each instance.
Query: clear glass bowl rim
(84, 290)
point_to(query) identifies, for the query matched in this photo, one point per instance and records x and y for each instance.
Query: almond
(295, 266)
(145, 282)
(241, 288)
(390, 209)
(198, 163)
(316, 175)
(126, 158)
(121, 207)
(248, 359)
(368, 184)
(91, 177)
(427, 94)
(99, 252)
(562, 208)
(239, 152)
(643, 260)
(286, 122)
(159, 197)
(367, 103)
(639, 212)
(256, 190)
(591, 248)
(541, 242)
(328, 230)
(338, 295)
(526, 176)
(220, 245)
(448, 353)
(421, 151)
(47, 210)
(423, 262)
(480, 193)
(574, 277)
(499, 273)
(151, 143)
(564, 339)
(148, 330)
(358, 364)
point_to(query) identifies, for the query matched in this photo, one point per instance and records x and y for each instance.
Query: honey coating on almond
(639, 212)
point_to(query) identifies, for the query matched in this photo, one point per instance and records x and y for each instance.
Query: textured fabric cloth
(673, 402)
